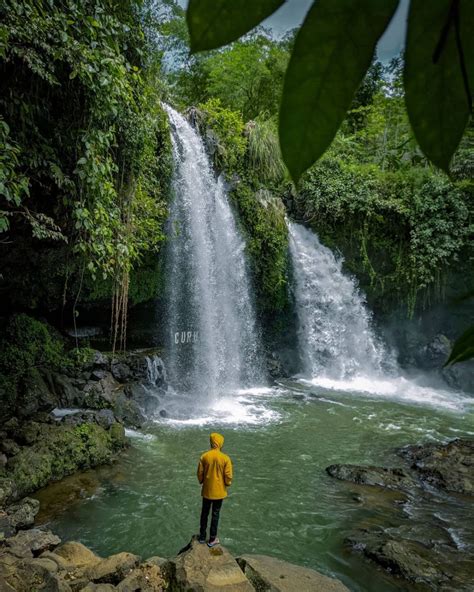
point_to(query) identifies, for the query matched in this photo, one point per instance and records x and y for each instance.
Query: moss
(60, 450)
(263, 221)
(26, 345)
(117, 436)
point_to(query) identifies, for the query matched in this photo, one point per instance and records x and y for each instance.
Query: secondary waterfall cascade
(338, 348)
(334, 334)
(213, 339)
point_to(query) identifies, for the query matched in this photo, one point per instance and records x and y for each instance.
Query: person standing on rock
(215, 475)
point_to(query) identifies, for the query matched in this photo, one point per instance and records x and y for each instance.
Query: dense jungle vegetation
(85, 165)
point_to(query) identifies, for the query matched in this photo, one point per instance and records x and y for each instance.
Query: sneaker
(213, 542)
(201, 540)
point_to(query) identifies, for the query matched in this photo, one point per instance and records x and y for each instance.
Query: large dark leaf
(332, 52)
(463, 348)
(213, 23)
(466, 17)
(438, 59)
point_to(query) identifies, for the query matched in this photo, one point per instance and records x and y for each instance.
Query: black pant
(216, 508)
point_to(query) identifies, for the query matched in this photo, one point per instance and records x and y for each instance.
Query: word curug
(186, 337)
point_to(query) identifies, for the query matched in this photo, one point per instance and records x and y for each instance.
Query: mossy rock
(61, 450)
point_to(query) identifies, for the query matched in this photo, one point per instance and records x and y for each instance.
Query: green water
(282, 501)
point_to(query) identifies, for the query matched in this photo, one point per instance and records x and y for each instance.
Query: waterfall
(213, 340)
(335, 336)
(337, 344)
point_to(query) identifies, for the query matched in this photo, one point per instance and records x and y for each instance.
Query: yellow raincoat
(215, 470)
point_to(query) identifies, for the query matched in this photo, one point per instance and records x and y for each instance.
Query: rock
(369, 475)
(200, 569)
(7, 530)
(61, 562)
(59, 449)
(24, 575)
(66, 391)
(126, 409)
(446, 466)
(9, 447)
(120, 371)
(100, 360)
(3, 461)
(145, 578)
(29, 543)
(402, 557)
(105, 418)
(113, 569)
(101, 392)
(268, 573)
(91, 587)
(75, 554)
(98, 375)
(8, 491)
(35, 395)
(437, 567)
(47, 563)
(20, 515)
(435, 353)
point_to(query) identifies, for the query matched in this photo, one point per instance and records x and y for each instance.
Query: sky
(292, 14)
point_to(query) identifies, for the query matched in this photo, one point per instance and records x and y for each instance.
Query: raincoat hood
(217, 441)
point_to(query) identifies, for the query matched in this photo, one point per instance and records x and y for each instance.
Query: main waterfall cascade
(213, 339)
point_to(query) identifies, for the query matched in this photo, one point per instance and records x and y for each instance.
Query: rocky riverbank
(77, 419)
(420, 544)
(36, 560)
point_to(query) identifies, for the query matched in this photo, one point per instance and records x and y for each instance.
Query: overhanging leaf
(332, 52)
(438, 59)
(463, 348)
(213, 23)
(466, 18)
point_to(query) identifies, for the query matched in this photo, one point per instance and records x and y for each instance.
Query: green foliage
(85, 154)
(246, 77)
(228, 128)
(263, 219)
(28, 343)
(213, 23)
(80, 356)
(399, 229)
(324, 72)
(263, 151)
(333, 50)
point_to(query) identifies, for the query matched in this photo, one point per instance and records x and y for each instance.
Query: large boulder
(26, 575)
(397, 478)
(445, 466)
(200, 569)
(8, 491)
(16, 516)
(147, 577)
(52, 450)
(75, 554)
(437, 566)
(32, 542)
(273, 575)
(113, 569)
(91, 587)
